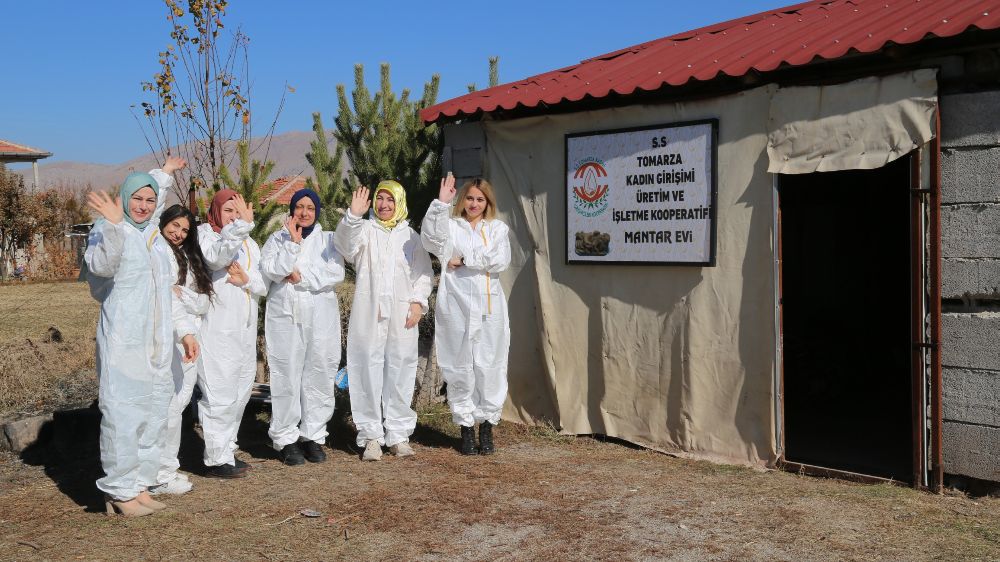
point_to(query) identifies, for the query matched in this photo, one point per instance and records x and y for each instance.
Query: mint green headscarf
(134, 182)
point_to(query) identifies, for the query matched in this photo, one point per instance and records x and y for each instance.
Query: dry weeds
(542, 497)
(37, 374)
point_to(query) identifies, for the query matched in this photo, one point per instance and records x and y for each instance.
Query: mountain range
(287, 150)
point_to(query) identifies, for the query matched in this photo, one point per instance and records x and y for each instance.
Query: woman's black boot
(469, 441)
(486, 439)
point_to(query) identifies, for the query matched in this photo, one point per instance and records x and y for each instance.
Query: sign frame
(713, 188)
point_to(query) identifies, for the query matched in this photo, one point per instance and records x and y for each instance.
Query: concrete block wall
(970, 231)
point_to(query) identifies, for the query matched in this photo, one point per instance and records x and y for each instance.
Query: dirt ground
(542, 496)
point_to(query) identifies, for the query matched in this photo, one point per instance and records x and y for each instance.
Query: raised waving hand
(173, 164)
(360, 201)
(110, 209)
(244, 209)
(447, 192)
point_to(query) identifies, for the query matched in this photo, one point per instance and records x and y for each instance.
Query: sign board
(642, 196)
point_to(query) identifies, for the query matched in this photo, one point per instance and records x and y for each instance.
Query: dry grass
(37, 374)
(28, 309)
(36, 378)
(543, 496)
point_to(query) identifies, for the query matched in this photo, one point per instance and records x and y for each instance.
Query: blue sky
(73, 68)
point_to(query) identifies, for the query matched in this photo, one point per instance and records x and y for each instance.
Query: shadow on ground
(68, 451)
(68, 447)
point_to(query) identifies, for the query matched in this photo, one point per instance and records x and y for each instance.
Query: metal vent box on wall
(464, 150)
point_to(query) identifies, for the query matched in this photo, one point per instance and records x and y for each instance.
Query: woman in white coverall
(134, 338)
(229, 330)
(471, 328)
(302, 330)
(394, 280)
(192, 292)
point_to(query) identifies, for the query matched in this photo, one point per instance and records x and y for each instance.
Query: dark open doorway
(846, 313)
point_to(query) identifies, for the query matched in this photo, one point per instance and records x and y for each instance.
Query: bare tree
(200, 99)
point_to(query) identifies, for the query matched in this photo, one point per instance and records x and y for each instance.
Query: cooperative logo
(590, 188)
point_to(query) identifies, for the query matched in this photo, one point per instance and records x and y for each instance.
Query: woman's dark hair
(188, 254)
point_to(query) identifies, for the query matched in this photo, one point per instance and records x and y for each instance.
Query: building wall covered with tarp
(673, 357)
(678, 358)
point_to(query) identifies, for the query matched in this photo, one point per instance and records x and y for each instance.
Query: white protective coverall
(471, 327)
(188, 309)
(302, 331)
(393, 270)
(228, 338)
(134, 347)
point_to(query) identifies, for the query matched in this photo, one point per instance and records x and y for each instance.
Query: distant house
(13, 152)
(281, 190)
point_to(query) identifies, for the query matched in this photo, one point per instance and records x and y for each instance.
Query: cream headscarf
(399, 194)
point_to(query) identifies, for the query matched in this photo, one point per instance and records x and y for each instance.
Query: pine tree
(494, 71)
(252, 176)
(494, 74)
(333, 189)
(384, 138)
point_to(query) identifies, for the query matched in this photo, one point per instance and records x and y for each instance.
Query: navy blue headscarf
(306, 230)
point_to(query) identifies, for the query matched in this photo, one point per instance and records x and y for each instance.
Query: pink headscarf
(215, 209)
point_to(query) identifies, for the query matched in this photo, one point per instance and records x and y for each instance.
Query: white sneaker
(373, 451)
(402, 449)
(175, 487)
(182, 476)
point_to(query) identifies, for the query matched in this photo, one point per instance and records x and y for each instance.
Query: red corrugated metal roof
(791, 36)
(8, 148)
(282, 189)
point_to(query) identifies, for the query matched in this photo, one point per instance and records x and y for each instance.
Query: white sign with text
(642, 195)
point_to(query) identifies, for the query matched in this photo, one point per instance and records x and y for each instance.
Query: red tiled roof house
(13, 152)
